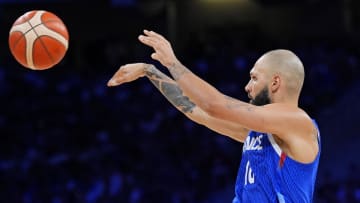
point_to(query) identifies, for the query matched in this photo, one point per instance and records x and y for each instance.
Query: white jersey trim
(274, 144)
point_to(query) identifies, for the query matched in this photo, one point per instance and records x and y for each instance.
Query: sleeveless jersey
(266, 174)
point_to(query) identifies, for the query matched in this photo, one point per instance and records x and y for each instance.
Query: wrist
(173, 64)
(147, 68)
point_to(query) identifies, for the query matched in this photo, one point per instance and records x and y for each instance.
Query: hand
(163, 50)
(128, 73)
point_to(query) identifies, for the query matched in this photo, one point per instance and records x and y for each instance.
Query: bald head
(288, 66)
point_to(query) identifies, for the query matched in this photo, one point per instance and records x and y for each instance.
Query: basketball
(38, 40)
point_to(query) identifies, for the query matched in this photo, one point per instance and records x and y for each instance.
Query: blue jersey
(266, 174)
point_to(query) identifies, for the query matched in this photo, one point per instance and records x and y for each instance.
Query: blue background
(66, 137)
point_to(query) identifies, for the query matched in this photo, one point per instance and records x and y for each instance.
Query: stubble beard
(262, 98)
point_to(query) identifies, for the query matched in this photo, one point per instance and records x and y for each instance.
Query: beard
(262, 98)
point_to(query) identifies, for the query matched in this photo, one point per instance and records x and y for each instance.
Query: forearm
(174, 94)
(208, 98)
(199, 91)
(170, 89)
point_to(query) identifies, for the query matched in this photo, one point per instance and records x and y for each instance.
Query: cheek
(258, 87)
(254, 86)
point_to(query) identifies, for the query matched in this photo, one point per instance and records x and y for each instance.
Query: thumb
(155, 56)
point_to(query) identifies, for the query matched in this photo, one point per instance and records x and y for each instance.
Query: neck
(285, 100)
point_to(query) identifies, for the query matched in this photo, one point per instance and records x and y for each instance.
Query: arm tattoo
(169, 89)
(178, 70)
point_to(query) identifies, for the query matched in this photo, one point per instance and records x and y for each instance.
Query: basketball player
(281, 142)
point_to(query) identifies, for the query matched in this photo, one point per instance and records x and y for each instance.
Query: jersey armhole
(274, 145)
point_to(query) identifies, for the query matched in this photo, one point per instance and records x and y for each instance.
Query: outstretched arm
(170, 89)
(286, 121)
(277, 119)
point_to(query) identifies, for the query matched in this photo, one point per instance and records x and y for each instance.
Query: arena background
(66, 137)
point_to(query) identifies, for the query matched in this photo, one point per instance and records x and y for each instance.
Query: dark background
(66, 137)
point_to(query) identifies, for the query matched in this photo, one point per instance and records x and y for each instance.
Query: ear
(275, 84)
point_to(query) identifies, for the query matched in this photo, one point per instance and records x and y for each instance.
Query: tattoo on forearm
(174, 93)
(170, 89)
(177, 70)
(234, 103)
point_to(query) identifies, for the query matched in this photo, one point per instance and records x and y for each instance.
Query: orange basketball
(38, 40)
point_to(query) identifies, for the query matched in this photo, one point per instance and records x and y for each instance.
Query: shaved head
(288, 66)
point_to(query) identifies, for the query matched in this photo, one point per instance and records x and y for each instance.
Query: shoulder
(298, 134)
(285, 107)
(292, 119)
(290, 111)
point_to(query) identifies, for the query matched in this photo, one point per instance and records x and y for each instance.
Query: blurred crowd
(66, 137)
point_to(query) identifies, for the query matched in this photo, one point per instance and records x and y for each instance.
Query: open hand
(128, 73)
(162, 47)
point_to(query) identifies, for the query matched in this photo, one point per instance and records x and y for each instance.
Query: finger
(118, 73)
(111, 83)
(115, 81)
(117, 77)
(154, 34)
(150, 41)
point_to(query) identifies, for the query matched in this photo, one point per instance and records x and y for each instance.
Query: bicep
(276, 118)
(221, 126)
